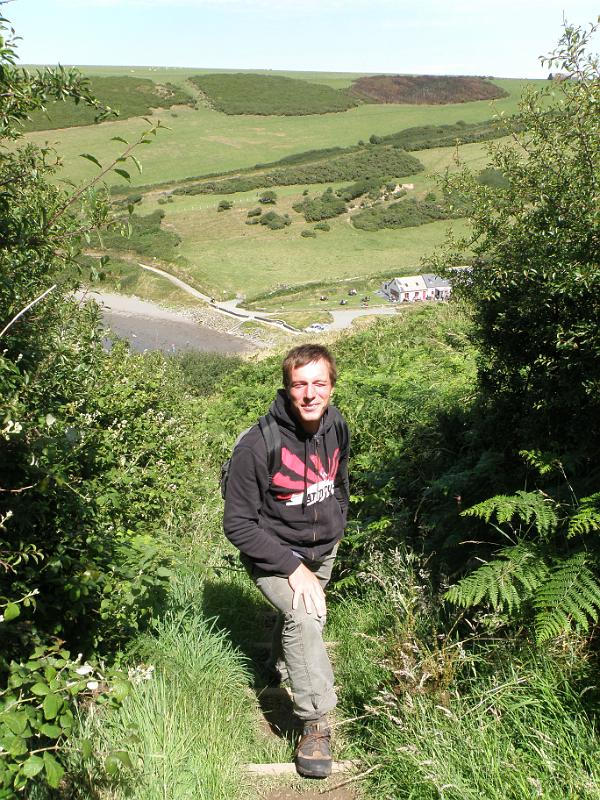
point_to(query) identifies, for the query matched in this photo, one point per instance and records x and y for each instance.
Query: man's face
(309, 393)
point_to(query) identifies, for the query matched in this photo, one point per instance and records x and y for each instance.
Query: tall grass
(437, 717)
(189, 724)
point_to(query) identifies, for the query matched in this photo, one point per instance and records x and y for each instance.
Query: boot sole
(313, 769)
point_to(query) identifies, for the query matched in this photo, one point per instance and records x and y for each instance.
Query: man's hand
(306, 586)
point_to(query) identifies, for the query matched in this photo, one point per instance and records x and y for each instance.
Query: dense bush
(307, 233)
(224, 205)
(254, 212)
(493, 178)
(358, 188)
(143, 235)
(403, 214)
(322, 226)
(356, 164)
(89, 454)
(425, 89)
(275, 221)
(324, 207)
(246, 93)
(128, 96)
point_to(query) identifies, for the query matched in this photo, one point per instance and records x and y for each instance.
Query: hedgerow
(357, 164)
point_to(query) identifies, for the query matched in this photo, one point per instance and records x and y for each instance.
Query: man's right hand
(305, 585)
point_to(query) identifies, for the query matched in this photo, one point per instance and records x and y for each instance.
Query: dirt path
(341, 318)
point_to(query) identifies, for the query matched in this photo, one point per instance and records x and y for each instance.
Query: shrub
(255, 212)
(403, 214)
(374, 139)
(324, 207)
(224, 205)
(275, 221)
(243, 93)
(308, 234)
(268, 196)
(322, 226)
(493, 178)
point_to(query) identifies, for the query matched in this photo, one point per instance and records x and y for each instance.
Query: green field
(221, 254)
(201, 141)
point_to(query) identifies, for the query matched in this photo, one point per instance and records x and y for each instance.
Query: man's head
(309, 375)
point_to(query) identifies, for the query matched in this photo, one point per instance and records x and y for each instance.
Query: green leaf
(119, 139)
(15, 745)
(124, 757)
(120, 690)
(51, 731)
(32, 766)
(111, 765)
(91, 158)
(12, 611)
(54, 771)
(16, 721)
(51, 706)
(123, 173)
(137, 163)
(40, 689)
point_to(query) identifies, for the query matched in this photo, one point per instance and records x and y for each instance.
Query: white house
(405, 290)
(437, 288)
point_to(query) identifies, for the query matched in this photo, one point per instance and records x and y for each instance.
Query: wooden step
(289, 768)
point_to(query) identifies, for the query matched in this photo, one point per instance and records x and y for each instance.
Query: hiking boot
(313, 754)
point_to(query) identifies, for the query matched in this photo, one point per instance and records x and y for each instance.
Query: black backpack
(272, 436)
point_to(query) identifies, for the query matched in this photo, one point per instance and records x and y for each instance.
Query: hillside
(128, 96)
(426, 89)
(266, 95)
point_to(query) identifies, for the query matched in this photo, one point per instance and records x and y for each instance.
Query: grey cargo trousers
(298, 641)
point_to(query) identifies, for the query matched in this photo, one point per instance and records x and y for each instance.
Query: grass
(439, 718)
(202, 141)
(189, 728)
(228, 256)
(127, 277)
(131, 97)
(243, 93)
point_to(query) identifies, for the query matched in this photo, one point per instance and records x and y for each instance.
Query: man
(287, 527)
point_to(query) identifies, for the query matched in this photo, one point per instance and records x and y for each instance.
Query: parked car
(316, 326)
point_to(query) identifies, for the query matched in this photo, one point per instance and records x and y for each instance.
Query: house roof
(412, 283)
(435, 282)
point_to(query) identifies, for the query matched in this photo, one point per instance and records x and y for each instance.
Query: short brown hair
(305, 354)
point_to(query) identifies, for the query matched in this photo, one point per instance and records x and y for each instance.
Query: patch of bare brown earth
(426, 89)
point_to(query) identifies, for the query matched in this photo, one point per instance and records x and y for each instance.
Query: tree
(535, 248)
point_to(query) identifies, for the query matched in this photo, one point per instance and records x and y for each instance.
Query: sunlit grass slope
(127, 95)
(201, 141)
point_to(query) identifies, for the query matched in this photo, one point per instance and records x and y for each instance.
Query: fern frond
(587, 517)
(569, 598)
(505, 582)
(526, 506)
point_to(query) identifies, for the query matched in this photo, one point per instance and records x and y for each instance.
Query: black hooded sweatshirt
(301, 514)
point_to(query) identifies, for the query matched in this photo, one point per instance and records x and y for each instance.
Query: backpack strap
(272, 436)
(341, 429)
